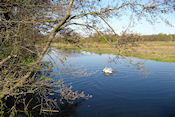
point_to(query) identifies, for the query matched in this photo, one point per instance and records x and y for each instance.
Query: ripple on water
(125, 93)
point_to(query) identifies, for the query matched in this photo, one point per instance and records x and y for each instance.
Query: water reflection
(125, 93)
(108, 74)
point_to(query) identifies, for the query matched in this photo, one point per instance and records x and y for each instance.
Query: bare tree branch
(53, 32)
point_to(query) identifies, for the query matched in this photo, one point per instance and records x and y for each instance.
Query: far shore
(154, 50)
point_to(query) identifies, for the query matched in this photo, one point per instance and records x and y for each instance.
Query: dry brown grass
(156, 50)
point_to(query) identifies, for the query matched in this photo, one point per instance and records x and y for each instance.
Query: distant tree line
(132, 37)
(121, 39)
(159, 37)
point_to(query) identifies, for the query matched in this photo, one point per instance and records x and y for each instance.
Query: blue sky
(142, 27)
(120, 24)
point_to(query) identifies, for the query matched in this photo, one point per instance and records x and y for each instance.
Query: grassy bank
(155, 50)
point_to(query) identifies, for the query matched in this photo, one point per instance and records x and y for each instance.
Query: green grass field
(154, 50)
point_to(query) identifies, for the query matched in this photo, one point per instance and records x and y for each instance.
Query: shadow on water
(68, 110)
(108, 74)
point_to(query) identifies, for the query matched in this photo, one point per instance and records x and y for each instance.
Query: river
(127, 92)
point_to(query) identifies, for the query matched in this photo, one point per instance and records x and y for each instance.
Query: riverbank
(154, 50)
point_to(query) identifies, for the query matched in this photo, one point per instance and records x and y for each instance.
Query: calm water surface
(125, 93)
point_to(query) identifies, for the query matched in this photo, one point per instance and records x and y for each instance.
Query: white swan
(107, 70)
